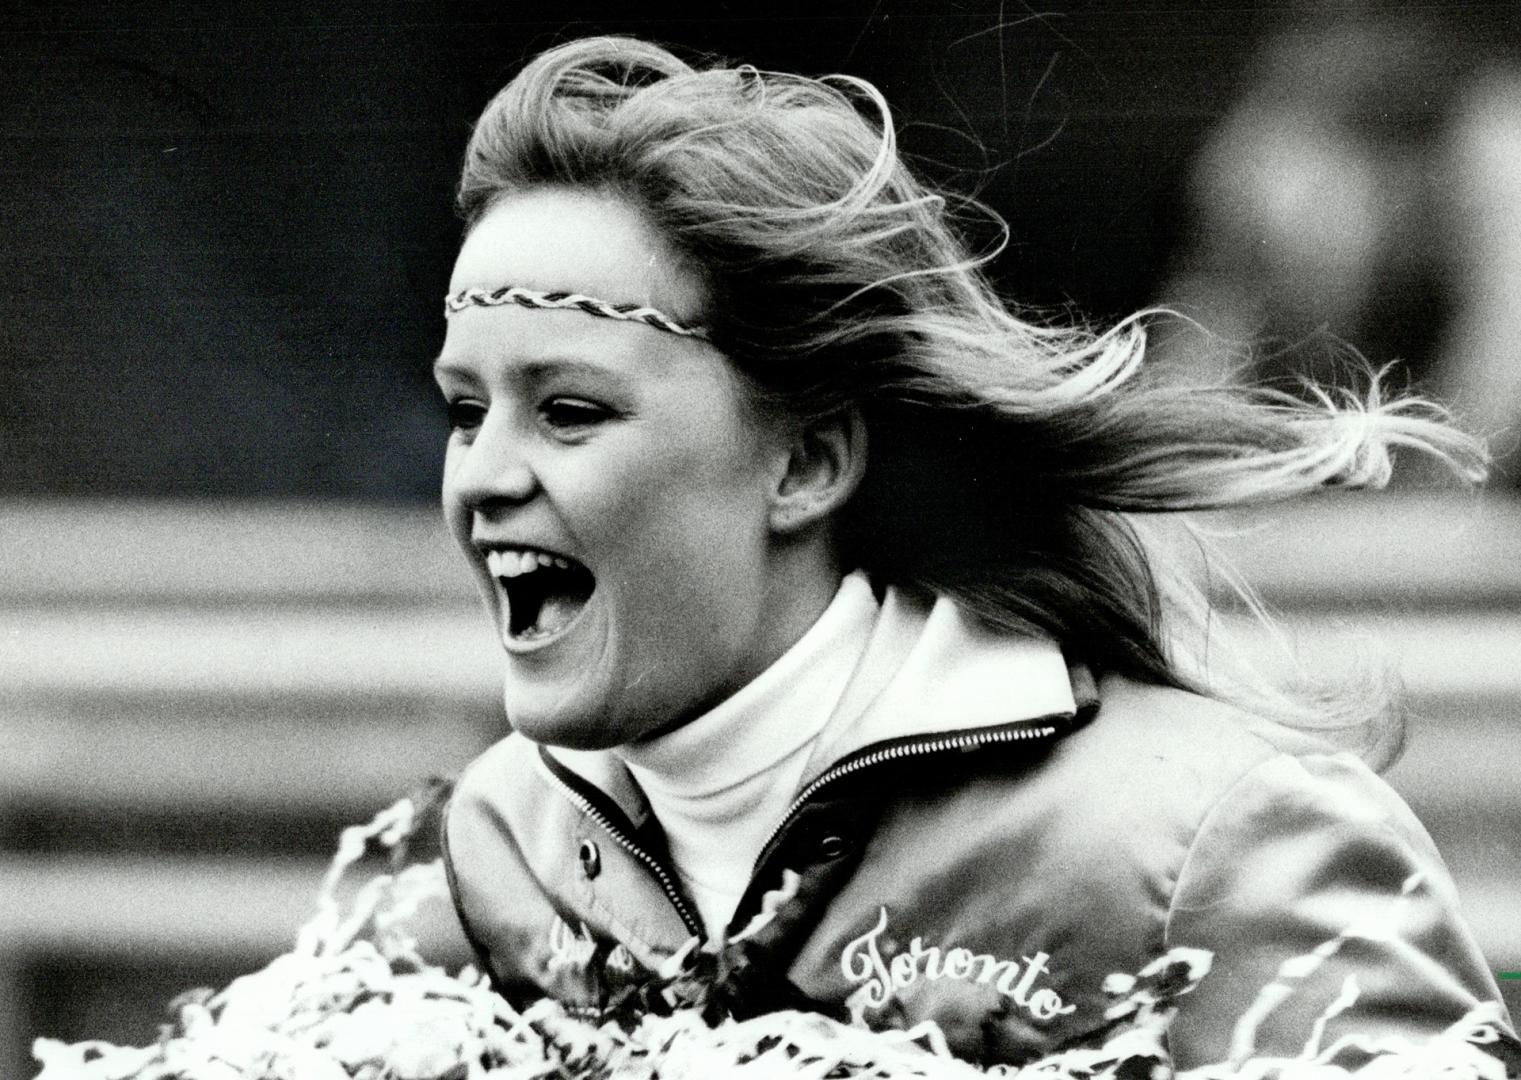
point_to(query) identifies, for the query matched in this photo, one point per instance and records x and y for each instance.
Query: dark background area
(227, 228)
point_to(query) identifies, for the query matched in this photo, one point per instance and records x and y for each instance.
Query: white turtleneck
(719, 784)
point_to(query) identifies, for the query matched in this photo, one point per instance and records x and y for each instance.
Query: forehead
(554, 240)
(562, 240)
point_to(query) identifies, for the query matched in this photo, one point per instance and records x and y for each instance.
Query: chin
(578, 705)
(573, 728)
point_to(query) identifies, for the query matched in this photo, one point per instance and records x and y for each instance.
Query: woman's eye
(466, 414)
(573, 413)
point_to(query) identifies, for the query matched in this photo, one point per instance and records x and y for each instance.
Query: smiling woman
(831, 631)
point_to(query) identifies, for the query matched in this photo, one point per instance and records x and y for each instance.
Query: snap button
(832, 846)
(591, 859)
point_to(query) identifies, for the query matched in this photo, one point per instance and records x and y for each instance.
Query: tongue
(555, 614)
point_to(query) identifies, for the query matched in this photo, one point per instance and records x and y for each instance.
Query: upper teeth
(516, 563)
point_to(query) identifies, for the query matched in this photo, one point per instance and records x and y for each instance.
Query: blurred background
(230, 622)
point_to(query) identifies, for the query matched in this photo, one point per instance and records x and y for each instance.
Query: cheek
(691, 550)
(691, 507)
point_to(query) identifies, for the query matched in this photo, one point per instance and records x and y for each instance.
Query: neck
(801, 584)
(719, 783)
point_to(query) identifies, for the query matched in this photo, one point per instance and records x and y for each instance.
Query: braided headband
(531, 298)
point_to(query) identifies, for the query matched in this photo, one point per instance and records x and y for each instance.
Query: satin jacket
(961, 860)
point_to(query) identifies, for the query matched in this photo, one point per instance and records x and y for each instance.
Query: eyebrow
(530, 369)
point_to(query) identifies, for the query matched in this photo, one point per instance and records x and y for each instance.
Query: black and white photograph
(664, 540)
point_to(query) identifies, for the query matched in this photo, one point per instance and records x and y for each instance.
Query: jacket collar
(928, 670)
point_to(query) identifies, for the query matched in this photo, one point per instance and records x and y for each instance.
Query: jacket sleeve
(1316, 857)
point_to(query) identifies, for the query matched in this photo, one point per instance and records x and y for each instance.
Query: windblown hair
(1007, 454)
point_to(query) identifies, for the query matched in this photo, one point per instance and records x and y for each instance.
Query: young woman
(826, 627)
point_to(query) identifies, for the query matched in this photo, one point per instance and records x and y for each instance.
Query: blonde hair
(1007, 453)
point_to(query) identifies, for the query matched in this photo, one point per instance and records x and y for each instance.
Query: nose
(492, 468)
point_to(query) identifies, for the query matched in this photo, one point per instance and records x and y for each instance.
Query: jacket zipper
(824, 779)
(624, 841)
(893, 753)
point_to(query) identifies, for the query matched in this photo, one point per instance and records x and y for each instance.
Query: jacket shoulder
(503, 846)
(499, 825)
(1190, 726)
(1155, 759)
(1117, 808)
(505, 772)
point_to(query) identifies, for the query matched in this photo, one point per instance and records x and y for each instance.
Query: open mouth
(544, 592)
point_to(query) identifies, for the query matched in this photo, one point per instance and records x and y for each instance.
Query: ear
(825, 464)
